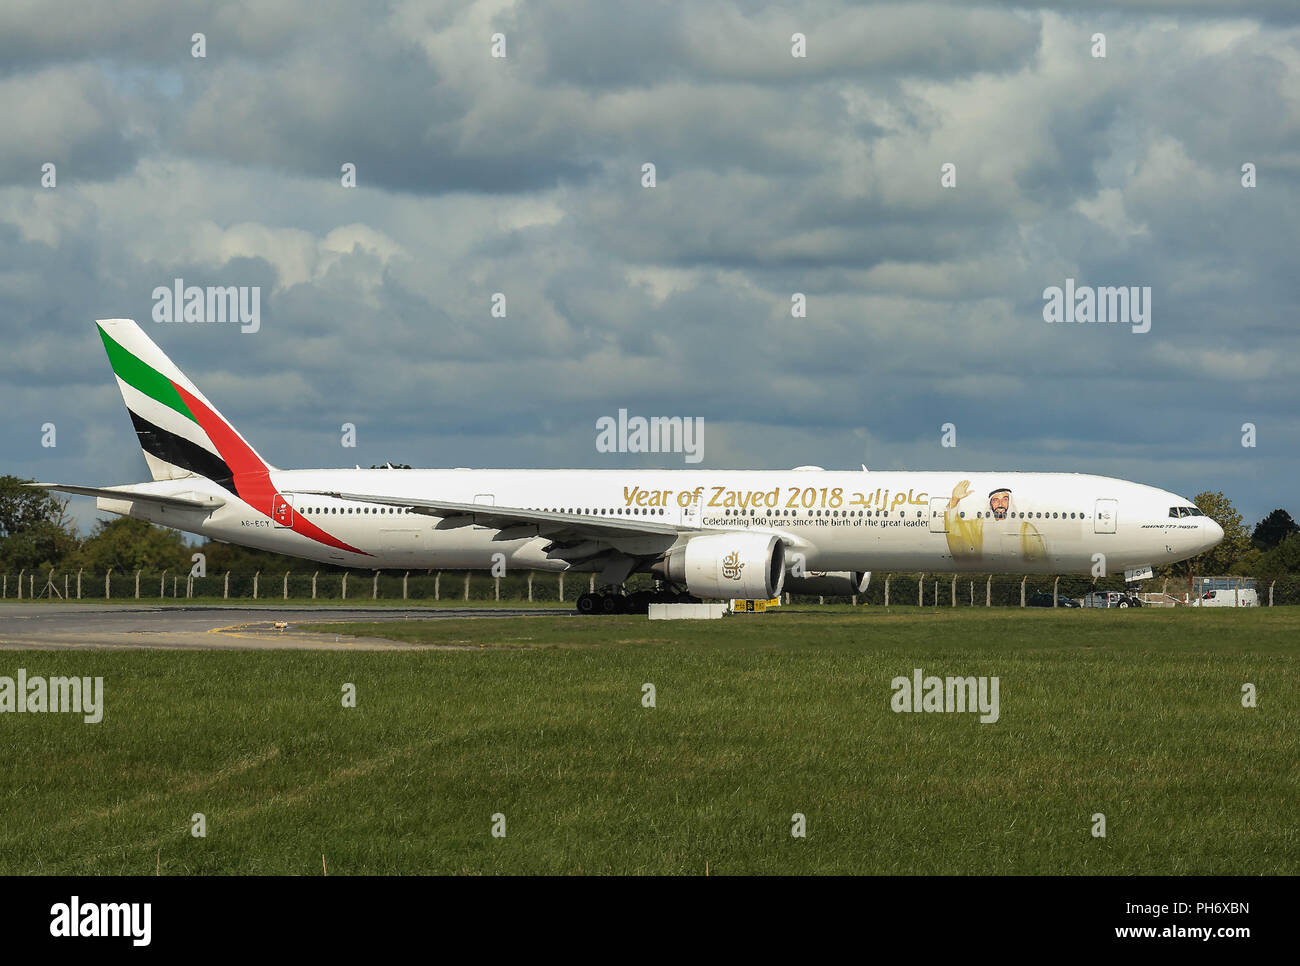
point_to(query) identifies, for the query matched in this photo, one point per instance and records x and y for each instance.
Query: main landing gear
(638, 602)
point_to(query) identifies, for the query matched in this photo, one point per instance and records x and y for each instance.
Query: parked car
(1043, 598)
(1109, 598)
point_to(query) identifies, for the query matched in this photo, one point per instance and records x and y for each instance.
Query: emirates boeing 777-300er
(743, 534)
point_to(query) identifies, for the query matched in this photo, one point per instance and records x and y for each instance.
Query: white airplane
(705, 533)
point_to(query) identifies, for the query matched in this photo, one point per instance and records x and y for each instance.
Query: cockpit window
(1186, 511)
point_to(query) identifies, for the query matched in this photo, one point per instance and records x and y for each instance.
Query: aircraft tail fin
(180, 432)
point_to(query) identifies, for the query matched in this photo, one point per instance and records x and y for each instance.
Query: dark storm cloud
(602, 45)
(65, 116)
(1269, 11)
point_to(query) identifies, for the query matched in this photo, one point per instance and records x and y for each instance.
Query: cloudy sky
(776, 175)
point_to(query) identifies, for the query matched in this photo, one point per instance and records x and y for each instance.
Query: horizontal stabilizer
(190, 501)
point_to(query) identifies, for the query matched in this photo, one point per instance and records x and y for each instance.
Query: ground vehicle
(1043, 598)
(1109, 598)
(1243, 597)
(1225, 592)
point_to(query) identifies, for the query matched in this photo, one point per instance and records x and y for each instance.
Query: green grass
(1134, 714)
(275, 600)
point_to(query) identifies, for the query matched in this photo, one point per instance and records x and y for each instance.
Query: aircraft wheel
(1122, 603)
(587, 603)
(611, 603)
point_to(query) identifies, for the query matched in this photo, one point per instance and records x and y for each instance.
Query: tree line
(36, 533)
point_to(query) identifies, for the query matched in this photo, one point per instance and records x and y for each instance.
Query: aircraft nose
(1213, 533)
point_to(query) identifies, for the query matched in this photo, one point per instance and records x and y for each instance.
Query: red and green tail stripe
(226, 458)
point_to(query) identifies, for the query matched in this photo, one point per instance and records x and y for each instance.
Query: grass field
(274, 601)
(1137, 715)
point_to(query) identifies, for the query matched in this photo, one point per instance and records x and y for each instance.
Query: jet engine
(745, 566)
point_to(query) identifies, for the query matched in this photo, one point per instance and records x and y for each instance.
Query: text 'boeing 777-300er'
(706, 533)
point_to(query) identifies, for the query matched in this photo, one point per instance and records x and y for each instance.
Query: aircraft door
(282, 511)
(691, 514)
(938, 514)
(1106, 516)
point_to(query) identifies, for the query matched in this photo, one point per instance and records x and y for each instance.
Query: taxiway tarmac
(212, 627)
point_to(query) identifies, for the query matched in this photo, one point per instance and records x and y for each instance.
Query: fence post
(561, 586)
(225, 587)
(972, 593)
(936, 592)
(137, 585)
(189, 586)
(404, 576)
(313, 585)
(854, 600)
(886, 590)
(437, 582)
(953, 591)
(467, 585)
(988, 591)
(591, 584)
(374, 587)
(821, 599)
(108, 588)
(920, 591)
(286, 583)
(1056, 588)
(175, 581)
(496, 587)
(1270, 594)
(1022, 589)
(79, 569)
(345, 585)
(530, 586)
(162, 585)
(65, 586)
(20, 582)
(6, 586)
(256, 576)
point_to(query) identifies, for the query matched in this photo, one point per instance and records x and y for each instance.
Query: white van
(1246, 597)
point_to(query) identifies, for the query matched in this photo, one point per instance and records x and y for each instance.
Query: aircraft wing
(535, 522)
(196, 502)
(613, 545)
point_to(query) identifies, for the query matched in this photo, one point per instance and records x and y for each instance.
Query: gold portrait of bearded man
(966, 532)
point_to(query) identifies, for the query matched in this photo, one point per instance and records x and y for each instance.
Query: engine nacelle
(832, 583)
(745, 566)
